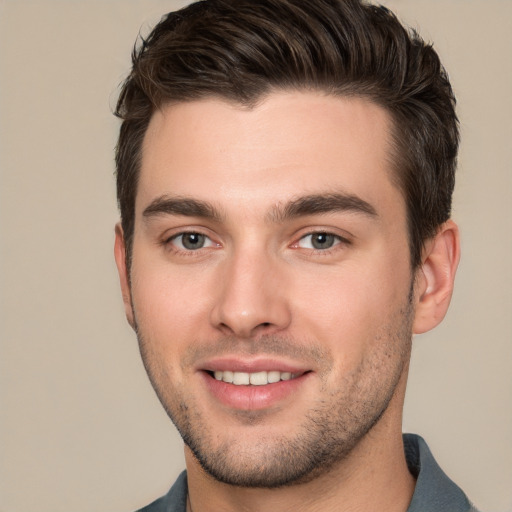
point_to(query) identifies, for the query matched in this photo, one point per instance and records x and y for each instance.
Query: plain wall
(80, 427)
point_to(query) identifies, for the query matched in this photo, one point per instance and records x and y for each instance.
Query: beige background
(80, 427)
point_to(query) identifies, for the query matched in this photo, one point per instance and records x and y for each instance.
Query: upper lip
(237, 364)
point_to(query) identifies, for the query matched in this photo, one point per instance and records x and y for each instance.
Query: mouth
(253, 384)
(254, 390)
(260, 378)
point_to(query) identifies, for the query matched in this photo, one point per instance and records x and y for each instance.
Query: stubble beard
(327, 434)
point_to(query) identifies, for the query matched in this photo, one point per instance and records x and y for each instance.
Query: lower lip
(252, 398)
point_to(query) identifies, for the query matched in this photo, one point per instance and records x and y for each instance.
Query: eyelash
(339, 242)
(170, 245)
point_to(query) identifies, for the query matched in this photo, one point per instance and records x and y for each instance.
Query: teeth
(255, 379)
(273, 377)
(241, 379)
(258, 379)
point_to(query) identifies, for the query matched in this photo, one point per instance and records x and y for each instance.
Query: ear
(120, 256)
(435, 277)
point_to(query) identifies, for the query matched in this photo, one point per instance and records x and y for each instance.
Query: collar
(434, 491)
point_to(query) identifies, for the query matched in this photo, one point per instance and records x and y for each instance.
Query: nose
(252, 298)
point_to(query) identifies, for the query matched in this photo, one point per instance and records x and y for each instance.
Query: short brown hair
(241, 50)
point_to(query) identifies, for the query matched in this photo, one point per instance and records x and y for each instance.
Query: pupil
(322, 241)
(193, 241)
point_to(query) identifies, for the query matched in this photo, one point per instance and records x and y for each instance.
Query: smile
(255, 379)
(256, 388)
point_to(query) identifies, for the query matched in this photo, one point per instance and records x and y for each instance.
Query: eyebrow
(166, 205)
(322, 203)
(312, 204)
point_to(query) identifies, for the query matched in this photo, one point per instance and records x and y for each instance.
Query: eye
(319, 241)
(191, 241)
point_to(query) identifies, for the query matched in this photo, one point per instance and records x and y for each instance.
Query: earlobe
(120, 257)
(435, 278)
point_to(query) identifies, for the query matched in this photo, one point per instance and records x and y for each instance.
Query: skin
(258, 292)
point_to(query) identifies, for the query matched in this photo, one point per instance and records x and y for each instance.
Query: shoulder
(174, 501)
(434, 491)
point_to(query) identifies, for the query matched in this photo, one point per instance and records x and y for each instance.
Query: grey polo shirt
(434, 491)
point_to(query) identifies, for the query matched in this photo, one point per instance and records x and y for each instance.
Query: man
(285, 171)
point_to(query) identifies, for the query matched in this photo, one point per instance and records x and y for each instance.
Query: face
(271, 288)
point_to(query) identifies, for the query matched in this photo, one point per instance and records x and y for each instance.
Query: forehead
(289, 144)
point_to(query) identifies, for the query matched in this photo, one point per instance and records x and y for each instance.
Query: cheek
(170, 304)
(349, 307)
